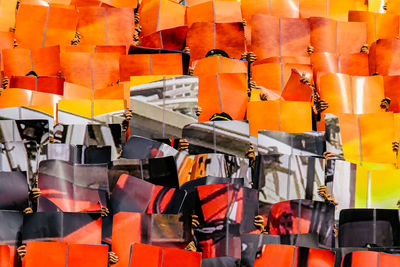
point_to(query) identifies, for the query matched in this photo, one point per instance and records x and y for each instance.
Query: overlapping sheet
(68, 227)
(72, 187)
(286, 116)
(284, 177)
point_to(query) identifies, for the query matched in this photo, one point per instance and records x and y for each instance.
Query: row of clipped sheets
(291, 37)
(67, 110)
(63, 254)
(301, 9)
(56, 25)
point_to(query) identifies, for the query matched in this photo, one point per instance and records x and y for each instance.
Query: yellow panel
(78, 107)
(385, 189)
(361, 188)
(138, 80)
(104, 106)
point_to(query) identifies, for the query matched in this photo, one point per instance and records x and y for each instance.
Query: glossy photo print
(157, 229)
(71, 187)
(296, 217)
(138, 147)
(369, 227)
(132, 194)
(217, 137)
(80, 154)
(163, 105)
(226, 211)
(283, 177)
(14, 190)
(68, 227)
(159, 171)
(303, 144)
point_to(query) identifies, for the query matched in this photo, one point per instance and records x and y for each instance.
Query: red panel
(145, 256)
(87, 255)
(180, 258)
(44, 254)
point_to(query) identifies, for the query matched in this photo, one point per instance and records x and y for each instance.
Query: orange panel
(5, 257)
(44, 99)
(380, 26)
(39, 26)
(150, 64)
(351, 36)
(388, 260)
(320, 258)
(45, 254)
(295, 90)
(74, 91)
(384, 55)
(392, 90)
(352, 94)
(323, 34)
(126, 230)
(173, 38)
(226, 92)
(269, 76)
(219, 64)
(145, 256)
(264, 43)
(276, 255)
(157, 15)
(7, 14)
(323, 63)
(180, 258)
(121, 3)
(284, 8)
(106, 26)
(44, 61)
(377, 141)
(112, 92)
(203, 37)
(214, 11)
(354, 64)
(313, 8)
(15, 98)
(95, 71)
(252, 7)
(364, 258)
(87, 255)
(284, 59)
(104, 106)
(339, 9)
(281, 115)
(350, 135)
(295, 37)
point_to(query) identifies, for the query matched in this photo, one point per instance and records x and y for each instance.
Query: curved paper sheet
(95, 71)
(205, 36)
(295, 90)
(134, 195)
(303, 144)
(148, 64)
(380, 26)
(68, 227)
(303, 217)
(45, 84)
(173, 38)
(158, 15)
(43, 61)
(106, 26)
(224, 92)
(72, 187)
(14, 191)
(281, 115)
(382, 57)
(392, 91)
(219, 64)
(40, 26)
(286, 177)
(359, 227)
(362, 139)
(369, 258)
(352, 94)
(142, 148)
(214, 11)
